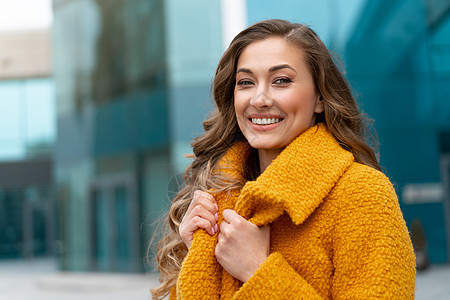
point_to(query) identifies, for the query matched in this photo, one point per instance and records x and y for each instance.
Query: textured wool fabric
(336, 229)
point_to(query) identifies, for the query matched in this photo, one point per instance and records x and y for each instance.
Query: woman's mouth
(265, 121)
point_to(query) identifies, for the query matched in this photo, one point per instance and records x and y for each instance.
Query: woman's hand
(201, 213)
(242, 246)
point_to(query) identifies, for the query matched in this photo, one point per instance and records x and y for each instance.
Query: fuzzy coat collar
(296, 181)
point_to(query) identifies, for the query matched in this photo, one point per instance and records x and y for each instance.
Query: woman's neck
(266, 156)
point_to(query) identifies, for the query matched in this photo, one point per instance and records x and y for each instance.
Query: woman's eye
(244, 82)
(282, 81)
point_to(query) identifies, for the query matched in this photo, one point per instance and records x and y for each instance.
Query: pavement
(40, 279)
(433, 283)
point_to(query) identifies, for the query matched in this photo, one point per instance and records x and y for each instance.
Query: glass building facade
(27, 136)
(26, 147)
(27, 117)
(133, 83)
(132, 88)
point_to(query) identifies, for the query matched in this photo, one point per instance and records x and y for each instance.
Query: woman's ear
(319, 105)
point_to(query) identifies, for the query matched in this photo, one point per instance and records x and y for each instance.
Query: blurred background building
(27, 136)
(128, 87)
(132, 85)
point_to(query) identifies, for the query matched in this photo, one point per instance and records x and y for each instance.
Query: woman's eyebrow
(279, 67)
(244, 70)
(271, 70)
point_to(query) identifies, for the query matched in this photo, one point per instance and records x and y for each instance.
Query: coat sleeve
(372, 256)
(373, 253)
(276, 279)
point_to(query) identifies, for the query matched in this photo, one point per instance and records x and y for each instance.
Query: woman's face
(275, 97)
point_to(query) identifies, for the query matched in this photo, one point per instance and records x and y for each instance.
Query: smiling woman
(284, 199)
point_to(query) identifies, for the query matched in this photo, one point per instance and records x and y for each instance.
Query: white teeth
(265, 121)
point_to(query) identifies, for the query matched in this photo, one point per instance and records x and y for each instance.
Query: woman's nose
(261, 99)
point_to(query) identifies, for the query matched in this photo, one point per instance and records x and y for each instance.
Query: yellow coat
(336, 230)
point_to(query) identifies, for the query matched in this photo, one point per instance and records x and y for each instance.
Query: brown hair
(341, 116)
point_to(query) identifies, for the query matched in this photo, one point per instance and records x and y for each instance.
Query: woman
(284, 199)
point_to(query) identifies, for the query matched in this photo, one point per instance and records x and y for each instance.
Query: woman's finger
(202, 212)
(197, 222)
(204, 199)
(231, 216)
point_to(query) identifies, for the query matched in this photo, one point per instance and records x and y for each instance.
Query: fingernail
(216, 216)
(216, 228)
(217, 208)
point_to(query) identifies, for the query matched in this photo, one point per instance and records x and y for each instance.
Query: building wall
(26, 209)
(26, 144)
(25, 54)
(194, 47)
(132, 89)
(27, 118)
(109, 59)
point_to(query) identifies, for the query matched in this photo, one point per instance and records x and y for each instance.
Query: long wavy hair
(341, 116)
